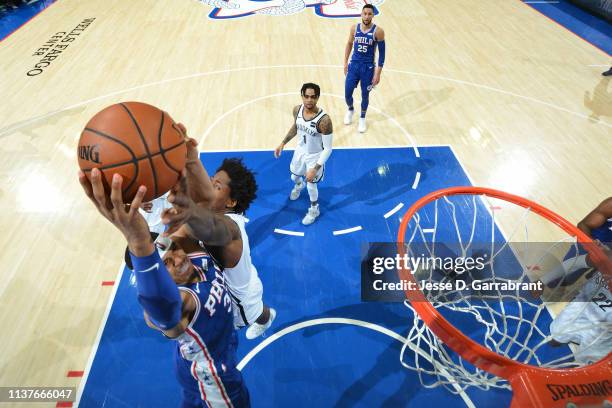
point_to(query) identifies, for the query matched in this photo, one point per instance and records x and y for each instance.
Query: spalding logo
(224, 9)
(90, 153)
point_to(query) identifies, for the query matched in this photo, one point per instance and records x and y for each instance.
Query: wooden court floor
(514, 94)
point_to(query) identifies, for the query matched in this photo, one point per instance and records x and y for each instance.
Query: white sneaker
(311, 215)
(348, 116)
(255, 330)
(362, 125)
(297, 189)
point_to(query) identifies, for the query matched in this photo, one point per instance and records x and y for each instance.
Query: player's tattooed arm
(201, 223)
(290, 134)
(209, 227)
(325, 126)
(293, 130)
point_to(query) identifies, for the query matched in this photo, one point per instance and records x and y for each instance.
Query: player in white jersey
(211, 210)
(314, 130)
(587, 320)
(152, 211)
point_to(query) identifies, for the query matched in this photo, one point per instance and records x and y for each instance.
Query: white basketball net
(515, 326)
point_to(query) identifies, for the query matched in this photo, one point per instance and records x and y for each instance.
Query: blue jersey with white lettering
(364, 45)
(206, 351)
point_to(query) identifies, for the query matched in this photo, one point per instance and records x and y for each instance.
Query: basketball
(138, 141)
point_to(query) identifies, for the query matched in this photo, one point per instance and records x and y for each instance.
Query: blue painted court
(322, 363)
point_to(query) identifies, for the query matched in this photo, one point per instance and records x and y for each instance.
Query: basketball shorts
(302, 161)
(247, 304)
(360, 73)
(226, 386)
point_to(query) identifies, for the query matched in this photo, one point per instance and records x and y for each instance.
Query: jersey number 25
(362, 48)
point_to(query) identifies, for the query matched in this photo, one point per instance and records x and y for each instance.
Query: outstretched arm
(157, 292)
(290, 134)
(201, 223)
(200, 187)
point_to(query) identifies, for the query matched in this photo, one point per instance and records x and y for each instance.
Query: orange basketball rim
(589, 386)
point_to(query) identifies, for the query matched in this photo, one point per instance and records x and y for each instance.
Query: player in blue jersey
(197, 313)
(364, 39)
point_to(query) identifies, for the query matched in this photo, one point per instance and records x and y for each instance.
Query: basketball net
(511, 347)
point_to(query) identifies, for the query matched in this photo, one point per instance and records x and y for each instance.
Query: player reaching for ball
(363, 40)
(197, 314)
(314, 129)
(220, 227)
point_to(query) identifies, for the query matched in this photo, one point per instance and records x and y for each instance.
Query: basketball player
(363, 39)
(587, 320)
(314, 130)
(597, 225)
(220, 227)
(197, 314)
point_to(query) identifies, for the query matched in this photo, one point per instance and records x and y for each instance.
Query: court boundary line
(27, 21)
(17, 125)
(94, 350)
(563, 26)
(343, 321)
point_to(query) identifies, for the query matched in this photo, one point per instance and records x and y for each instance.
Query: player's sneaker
(311, 215)
(607, 73)
(362, 125)
(255, 330)
(348, 116)
(297, 189)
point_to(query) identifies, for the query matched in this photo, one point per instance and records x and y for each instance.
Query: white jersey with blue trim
(309, 137)
(239, 277)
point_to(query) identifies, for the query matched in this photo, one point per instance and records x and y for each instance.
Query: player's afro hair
(243, 187)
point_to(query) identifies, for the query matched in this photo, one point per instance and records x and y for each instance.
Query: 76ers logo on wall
(324, 8)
